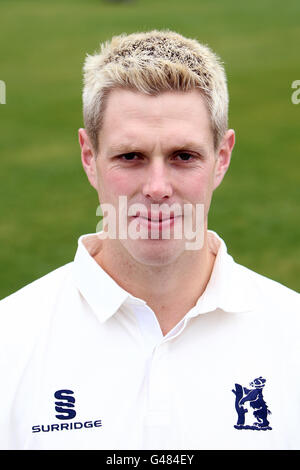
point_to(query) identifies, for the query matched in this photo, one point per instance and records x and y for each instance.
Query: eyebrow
(123, 148)
(131, 147)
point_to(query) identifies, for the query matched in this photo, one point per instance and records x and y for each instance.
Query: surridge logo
(65, 409)
(65, 405)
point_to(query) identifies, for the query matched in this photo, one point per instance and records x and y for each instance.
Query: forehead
(131, 117)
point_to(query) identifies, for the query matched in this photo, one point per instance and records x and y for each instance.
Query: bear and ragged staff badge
(253, 397)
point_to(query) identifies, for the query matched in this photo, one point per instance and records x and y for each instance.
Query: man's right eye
(128, 156)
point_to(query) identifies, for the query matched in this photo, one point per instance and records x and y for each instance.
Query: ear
(223, 156)
(88, 158)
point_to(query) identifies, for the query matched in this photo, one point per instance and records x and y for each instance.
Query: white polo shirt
(84, 364)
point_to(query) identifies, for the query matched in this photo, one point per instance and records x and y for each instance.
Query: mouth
(157, 221)
(155, 216)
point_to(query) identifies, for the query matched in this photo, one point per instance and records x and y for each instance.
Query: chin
(155, 252)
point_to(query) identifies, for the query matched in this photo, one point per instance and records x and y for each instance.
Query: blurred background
(46, 200)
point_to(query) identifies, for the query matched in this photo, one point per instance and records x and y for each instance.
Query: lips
(155, 217)
(156, 223)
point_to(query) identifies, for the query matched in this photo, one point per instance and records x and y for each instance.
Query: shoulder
(24, 317)
(23, 312)
(35, 292)
(251, 288)
(268, 292)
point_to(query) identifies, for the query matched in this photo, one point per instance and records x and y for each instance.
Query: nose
(157, 186)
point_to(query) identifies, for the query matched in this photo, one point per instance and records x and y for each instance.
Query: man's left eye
(184, 156)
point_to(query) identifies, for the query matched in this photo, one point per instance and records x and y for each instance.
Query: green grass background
(46, 200)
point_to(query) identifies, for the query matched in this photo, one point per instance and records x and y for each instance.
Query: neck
(171, 290)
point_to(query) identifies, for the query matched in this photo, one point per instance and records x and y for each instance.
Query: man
(153, 338)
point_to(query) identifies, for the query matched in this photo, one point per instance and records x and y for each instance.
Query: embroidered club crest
(251, 399)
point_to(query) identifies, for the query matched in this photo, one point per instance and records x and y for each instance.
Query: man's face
(156, 150)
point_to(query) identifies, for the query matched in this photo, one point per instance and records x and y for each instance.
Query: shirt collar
(227, 288)
(224, 289)
(101, 292)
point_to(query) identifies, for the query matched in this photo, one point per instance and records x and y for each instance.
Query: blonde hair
(153, 62)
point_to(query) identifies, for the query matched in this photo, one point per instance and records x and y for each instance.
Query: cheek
(199, 188)
(114, 183)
